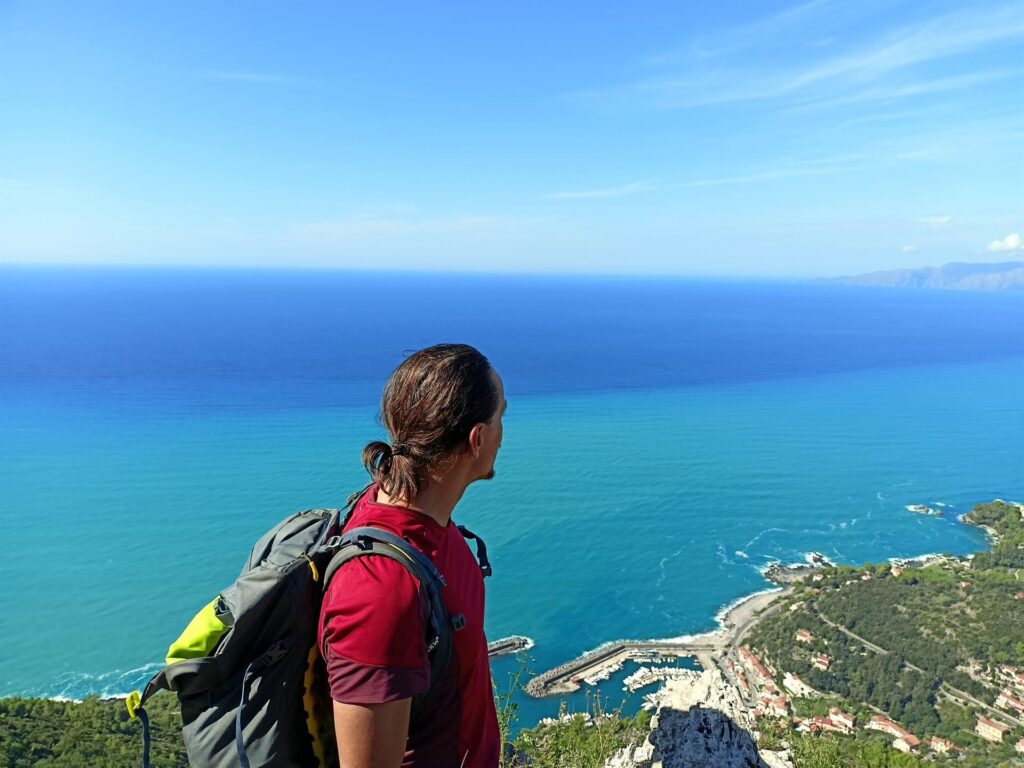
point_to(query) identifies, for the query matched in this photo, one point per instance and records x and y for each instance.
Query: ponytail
(393, 469)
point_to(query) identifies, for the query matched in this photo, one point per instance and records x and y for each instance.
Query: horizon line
(298, 268)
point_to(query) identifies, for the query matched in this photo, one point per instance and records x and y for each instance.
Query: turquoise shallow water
(615, 513)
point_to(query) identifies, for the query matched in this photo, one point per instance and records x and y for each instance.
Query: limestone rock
(701, 722)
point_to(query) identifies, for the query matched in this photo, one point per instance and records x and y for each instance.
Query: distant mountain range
(1006, 276)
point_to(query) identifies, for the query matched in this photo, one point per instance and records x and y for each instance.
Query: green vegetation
(1009, 551)
(97, 733)
(39, 733)
(579, 741)
(940, 634)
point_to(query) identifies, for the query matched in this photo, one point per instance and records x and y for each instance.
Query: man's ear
(476, 439)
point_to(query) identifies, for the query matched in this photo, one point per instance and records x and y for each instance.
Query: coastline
(716, 649)
(711, 649)
(743, 684)
(736, 613)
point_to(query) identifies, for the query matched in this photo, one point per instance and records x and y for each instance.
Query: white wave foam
(916, 558)
(741, 554)
(765, 532)
(115, 684)
(693, 638)
(724, 610)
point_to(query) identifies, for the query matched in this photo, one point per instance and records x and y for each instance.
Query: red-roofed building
(826, 724)
(829, 723)
(803, 636)
(1019, 746)
(904, 746)
(761, 672)
(777, 706)
(1007, 700)
(836, 715)
(990, 730)
(821, 661)
(1012, 676)
(942, 746)
(885, 725)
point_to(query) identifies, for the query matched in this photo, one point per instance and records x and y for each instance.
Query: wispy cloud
(1009, 244)
(240, 76)
(755, 34)
(905, 90)
(955, 33)
(861, 73)
(935, 222)
(908, 248)
(621, 191)
(820, 166)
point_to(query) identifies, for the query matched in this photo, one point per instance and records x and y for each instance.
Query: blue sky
(757, 139)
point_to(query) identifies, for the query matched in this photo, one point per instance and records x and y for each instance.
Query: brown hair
(430, 403)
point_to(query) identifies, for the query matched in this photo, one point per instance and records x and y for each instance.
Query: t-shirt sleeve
(372, 633)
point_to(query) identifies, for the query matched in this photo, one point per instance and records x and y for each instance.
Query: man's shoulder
(372, 573)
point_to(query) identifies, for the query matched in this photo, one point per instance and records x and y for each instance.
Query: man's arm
(372, 735)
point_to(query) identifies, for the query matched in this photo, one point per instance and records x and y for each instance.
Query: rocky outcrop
(701, 722)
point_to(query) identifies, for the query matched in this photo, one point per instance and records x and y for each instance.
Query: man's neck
(437, 500)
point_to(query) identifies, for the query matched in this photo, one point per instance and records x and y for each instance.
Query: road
(955, 693)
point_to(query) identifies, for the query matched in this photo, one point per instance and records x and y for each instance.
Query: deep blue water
(665, 439)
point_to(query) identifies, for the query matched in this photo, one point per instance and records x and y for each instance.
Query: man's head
(442, 408)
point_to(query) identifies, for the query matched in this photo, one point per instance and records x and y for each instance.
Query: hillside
(934, 649)
(959, 276)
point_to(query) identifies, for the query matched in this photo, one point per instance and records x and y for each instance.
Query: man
(442, 408)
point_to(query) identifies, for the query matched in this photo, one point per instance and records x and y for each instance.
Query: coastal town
(821, 656)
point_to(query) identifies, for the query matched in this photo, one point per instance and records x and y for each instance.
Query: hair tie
(399, 449)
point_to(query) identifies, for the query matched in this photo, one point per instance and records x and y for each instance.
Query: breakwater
(600, 663)
(506, 645)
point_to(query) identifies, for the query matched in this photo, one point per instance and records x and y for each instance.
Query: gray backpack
(247, 669)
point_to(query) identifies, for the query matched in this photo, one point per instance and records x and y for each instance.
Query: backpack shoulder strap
(364, 533)
(481, 551)
(368, 541)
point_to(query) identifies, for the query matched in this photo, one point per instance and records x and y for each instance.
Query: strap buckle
(331, 545)
(132, 704)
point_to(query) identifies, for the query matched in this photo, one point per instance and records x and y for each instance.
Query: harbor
(710, 650)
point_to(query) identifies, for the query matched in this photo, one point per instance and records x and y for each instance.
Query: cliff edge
(701, 722)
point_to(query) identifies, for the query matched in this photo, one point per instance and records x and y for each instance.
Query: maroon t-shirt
(373, 637)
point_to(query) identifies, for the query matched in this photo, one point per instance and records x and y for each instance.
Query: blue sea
(665, 440)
